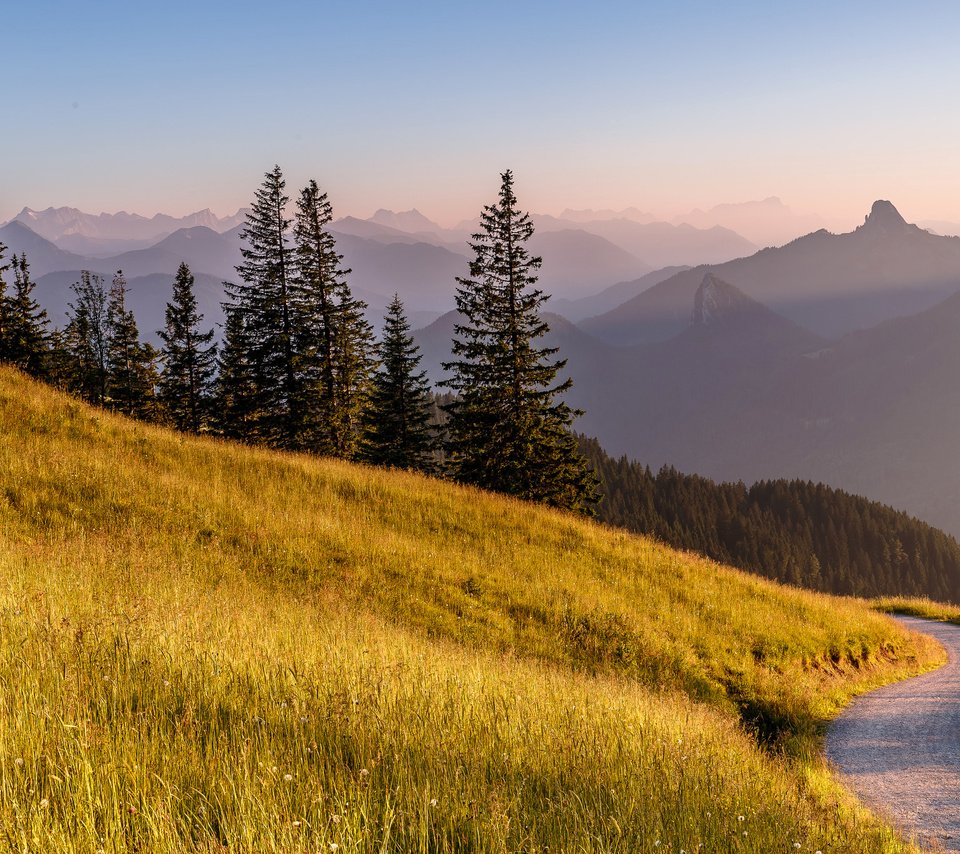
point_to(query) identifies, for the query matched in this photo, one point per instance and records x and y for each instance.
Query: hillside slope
(203, 645)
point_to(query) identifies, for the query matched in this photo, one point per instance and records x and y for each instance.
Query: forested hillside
(793, 531)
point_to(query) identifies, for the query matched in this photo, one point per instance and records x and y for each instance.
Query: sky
(665, 106)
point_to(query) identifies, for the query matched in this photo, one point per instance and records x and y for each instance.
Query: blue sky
(662, 105)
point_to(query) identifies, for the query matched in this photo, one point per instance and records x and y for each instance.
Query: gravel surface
(898, 747)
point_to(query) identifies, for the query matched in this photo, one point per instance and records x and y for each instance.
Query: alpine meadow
(479, 428)
(211, 647)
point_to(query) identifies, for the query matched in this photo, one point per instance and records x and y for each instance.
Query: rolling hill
(209, 646)
(609, 298)
(44, 256)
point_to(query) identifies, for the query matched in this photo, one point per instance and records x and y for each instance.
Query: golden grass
(918, 607)
(184, 624)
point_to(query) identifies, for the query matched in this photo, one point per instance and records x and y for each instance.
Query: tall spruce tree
(265, 300)
(85, 339)
(131, 371)
(319, 282)
(354, 361)
(235, 389)
(28, 322)
(6, 310)
(189, 358)
(508, 431)
(398, 432)
(334, 340)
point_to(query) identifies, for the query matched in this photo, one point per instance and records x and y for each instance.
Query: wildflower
(288, 777)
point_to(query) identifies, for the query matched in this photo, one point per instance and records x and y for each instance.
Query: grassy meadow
(209, 648)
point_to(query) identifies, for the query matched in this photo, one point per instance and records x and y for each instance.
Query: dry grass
(185, 623)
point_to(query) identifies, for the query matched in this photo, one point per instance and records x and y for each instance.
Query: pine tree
(189, 358)
(6, 347)
(60, 362)
(507, 430)
(334, 341)
(265, 300)
(86, 338)
(235, 390)
(353, 365)
(28, 322)
(131, 375)
(399, 433)
(319, 285)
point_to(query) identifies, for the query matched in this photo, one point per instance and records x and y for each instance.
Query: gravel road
(898, 747)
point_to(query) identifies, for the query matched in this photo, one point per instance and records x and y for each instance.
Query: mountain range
(108, 234)
(832, 357)
(404, 253)
(766, 223)
(829, 283)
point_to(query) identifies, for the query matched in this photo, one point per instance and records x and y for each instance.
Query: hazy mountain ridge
(830, 283)
(86, 233)
(609, 298)
(875, 413)
(768, 222)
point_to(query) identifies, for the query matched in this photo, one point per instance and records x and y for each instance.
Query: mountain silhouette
(829, 283)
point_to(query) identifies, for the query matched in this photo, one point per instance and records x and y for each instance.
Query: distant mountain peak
(410, 221)
(884, 217)
(717, 301)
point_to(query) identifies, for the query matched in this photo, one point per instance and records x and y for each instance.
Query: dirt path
(898, 748)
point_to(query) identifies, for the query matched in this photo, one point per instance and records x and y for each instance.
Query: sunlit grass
(918, 607)
(205, 647)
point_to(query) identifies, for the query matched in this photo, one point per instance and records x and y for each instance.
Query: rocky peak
(883, 218)
(716, 301)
